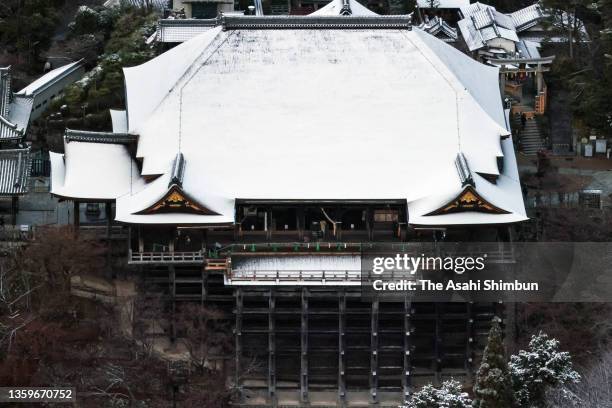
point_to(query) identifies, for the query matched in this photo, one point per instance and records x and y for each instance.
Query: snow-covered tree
(493, 388)
(449, 395)
(539, 368)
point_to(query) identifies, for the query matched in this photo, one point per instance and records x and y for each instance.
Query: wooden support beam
(469, 345)
(304, 348)
(238, 337)
(370, 223)
(140, 239)
(341, 348)
(374, 352)
(438, 346)
(406, 381)
(300, 222)
(204, 283)
(272, 351)
(14, 209)
(76, 216)
(172, 289)
(338, 212)
(108, 214)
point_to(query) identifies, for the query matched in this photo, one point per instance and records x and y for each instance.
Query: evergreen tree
(539, 368)
(449, 395)
(493, 385)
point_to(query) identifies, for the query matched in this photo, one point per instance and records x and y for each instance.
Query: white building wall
(43, 98)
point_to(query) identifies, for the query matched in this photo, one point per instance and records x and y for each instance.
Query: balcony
(152, 258)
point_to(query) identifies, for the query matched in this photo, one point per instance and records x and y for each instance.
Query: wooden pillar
(172, 289)
(272, 350)
(341, 349)
(374, 352)
(539, 79)
(438, 346)
(171, 241)
(469, 345)
(502, 80)
(338, 218)
(237, 233)
(76, 217)
(14, 209)
(272, 224)
(140, 240)
(301, 221)
(406, 381)
(369, 223)
(238, 337)
(109, 214)
(304, 348)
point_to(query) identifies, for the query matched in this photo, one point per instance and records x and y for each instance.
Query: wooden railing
(166, 257)
(100, 231)
(10, 233)
(349, 277)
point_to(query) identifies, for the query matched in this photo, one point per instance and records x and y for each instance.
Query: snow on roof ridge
(49, 78)
(336, 7)
(160, 69)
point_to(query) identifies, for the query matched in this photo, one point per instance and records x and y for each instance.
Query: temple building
(15, 160)
(255, 159)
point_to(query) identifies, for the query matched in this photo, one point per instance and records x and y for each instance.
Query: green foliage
(538, 369)
(27, 26)
(493, 387)
(586, 69)
(88, 100)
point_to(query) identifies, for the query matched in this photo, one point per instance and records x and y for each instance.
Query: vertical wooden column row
(341, 348)
(238, 336)
(172, 290)
(374, 352)
(272, 349)
(438, 345)
(304, 348)
(406, 382)
(469, 345)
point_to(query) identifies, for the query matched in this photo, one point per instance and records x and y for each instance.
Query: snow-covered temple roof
(527, 17)
(439, 28)
(180, 30)
(119, 121)
(343, 8)
(50, 78)
(94, 166)
(443, 4)
(15, 166)
(14, 111)
(483, 23)
(297, 108)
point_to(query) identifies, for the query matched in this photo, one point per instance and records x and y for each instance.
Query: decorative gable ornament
(468, 200)
(177, 201)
